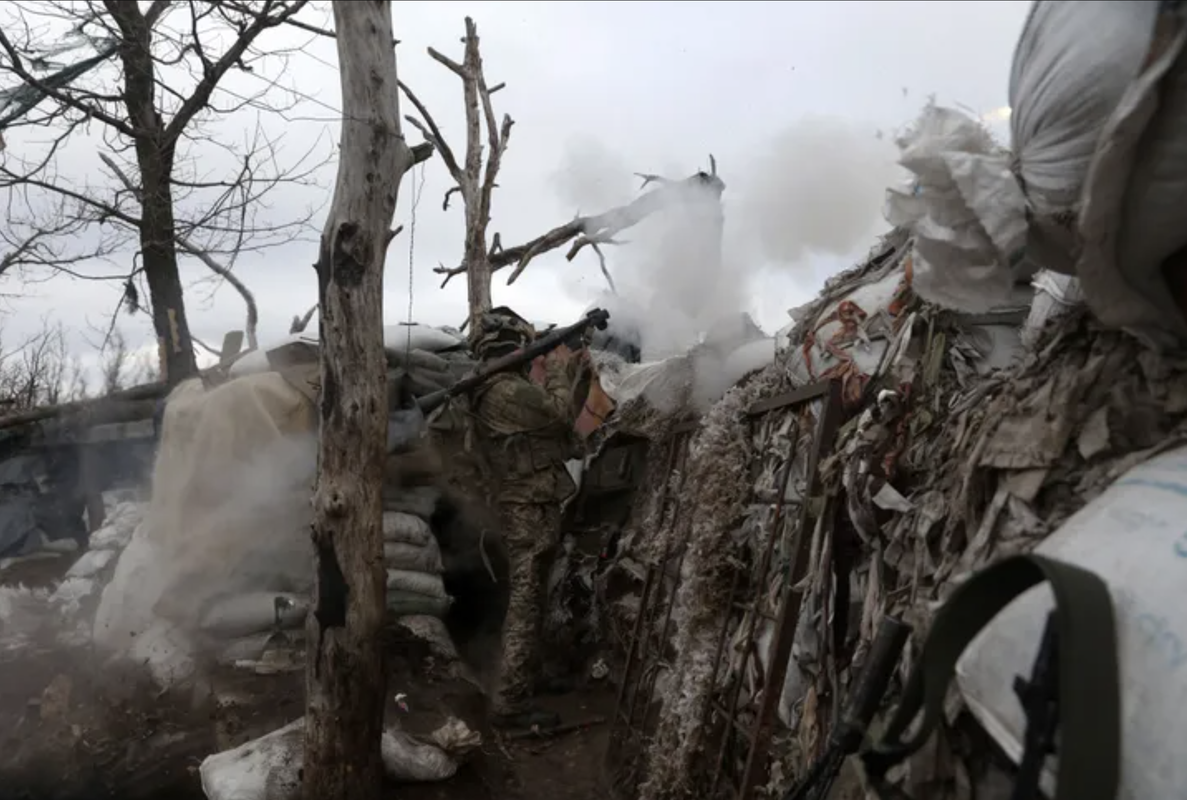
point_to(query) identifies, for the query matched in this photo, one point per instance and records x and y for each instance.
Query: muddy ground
(71, 730)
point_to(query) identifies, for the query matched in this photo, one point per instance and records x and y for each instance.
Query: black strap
(1089, 683)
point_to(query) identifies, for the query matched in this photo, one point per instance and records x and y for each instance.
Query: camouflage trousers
(531, 532)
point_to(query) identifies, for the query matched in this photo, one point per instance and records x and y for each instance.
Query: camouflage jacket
(526, 431)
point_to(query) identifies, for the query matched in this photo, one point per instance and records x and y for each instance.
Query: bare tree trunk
(345, 677)
(154, 156)
(473, 182)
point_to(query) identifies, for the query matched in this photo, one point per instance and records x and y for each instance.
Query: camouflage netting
(944, 464)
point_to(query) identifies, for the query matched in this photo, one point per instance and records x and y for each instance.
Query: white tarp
(224, 547)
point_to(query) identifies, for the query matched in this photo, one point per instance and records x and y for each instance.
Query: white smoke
(814, 188)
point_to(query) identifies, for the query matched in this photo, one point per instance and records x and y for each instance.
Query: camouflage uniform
(526, 432)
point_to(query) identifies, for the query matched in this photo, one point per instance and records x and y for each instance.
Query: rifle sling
(1089, 683)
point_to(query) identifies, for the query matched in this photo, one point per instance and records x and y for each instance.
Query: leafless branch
(253, 313)
(599, 229)
(174, 61)
(474, 181)
(301, 322)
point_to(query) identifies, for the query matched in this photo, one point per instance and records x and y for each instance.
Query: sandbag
(1065, 83)
(415, 558)
(397, 339)
(269, 768)
(965, 211)
(91, 563)
(1131, 536)
(1100, 132)
(248, 613)
(1132, 215)
(401, 527)
(415, 582)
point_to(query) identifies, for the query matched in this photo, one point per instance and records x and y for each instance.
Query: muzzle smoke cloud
(813, 189)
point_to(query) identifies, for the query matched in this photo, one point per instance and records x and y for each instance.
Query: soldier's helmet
(501, 331)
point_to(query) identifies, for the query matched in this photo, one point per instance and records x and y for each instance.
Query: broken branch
(599, 229)
(253, 313)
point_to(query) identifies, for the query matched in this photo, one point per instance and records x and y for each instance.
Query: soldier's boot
(525, 719)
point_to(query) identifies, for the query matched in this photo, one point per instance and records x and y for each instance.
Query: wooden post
(345, 676)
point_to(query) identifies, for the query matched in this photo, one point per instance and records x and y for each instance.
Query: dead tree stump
(344, 672)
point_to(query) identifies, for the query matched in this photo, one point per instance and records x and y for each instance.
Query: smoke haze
(815, 188)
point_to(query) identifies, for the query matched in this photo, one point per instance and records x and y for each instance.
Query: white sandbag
(396, 338)
(1131, 216)
(269, 768)
(1132, 536)
(401, 527)
(1065, 82)
(1055, 296)
(112, 537)
(248, 613)
(404, 336)
(415, 582)
(90, 563)
(257, 360)
(167, 652)
(411, 557)
(964, 209)
(125, 607)
(71, 592)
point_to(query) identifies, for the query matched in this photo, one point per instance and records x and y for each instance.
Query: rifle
(596, 318)
(403, 423)
(1039, 697)
(850, 731)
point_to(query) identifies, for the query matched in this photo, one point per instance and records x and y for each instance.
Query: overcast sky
(791, 98)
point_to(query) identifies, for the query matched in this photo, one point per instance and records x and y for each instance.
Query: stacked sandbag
(269, 768)
(1093, 184)
(413, 561)
(93, 569)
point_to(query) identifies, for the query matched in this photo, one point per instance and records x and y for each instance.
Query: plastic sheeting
(226, 533)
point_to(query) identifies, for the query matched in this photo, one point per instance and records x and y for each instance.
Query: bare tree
(344, 666)
(153, 113)
(473, 181)
(115, 364)
(38, 371)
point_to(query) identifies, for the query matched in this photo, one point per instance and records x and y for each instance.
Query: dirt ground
(72, 731)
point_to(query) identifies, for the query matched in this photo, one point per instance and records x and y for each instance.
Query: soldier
(526, 433)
